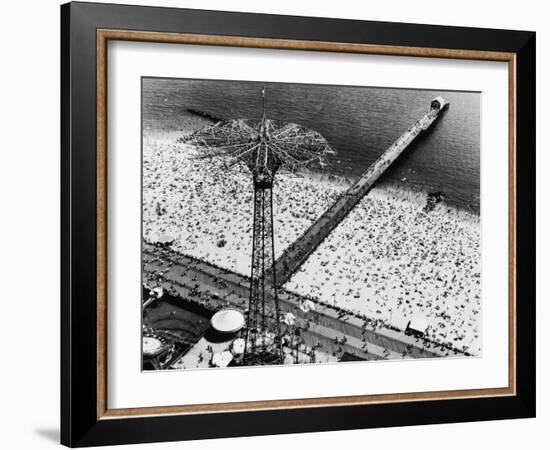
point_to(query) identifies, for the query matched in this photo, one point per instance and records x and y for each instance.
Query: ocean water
(358, 122)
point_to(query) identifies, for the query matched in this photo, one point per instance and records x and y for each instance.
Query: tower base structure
(263, 343)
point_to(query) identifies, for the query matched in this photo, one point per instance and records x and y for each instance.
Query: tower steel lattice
(263, 343)
(264, 147)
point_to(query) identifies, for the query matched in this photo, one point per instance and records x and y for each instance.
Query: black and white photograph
(303, 224)
(275, 225)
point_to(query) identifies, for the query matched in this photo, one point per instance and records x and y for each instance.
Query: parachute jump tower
(264, 148)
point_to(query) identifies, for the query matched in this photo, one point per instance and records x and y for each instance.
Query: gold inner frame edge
(104, 35)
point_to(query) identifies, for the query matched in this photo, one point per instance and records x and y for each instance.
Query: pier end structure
(298, 252)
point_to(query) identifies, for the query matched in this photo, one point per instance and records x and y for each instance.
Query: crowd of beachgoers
(393, 261)
(205, 211)
(389, 260)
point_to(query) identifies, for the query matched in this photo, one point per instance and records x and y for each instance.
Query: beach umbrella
(289, 319)
(222, 359)
(238, 346)
(307, 306)
(158, 292)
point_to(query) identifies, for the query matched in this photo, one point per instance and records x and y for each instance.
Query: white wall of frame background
(29, 225)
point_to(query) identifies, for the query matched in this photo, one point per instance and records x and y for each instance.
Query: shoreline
(208, 215)
(409, 191)
(189, 120)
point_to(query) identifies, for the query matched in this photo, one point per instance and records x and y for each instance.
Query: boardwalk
(298, 252)
(216, 288)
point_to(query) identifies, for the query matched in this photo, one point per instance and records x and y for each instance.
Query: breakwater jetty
(298, 252)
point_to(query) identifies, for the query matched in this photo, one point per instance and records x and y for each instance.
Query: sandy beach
(392, 261)
(388, 260)
(208, 212)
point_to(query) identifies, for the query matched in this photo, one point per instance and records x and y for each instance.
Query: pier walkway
(298, 252)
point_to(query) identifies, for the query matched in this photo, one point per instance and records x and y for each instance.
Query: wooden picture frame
(85, 416)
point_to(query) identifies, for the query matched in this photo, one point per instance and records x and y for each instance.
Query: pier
(298, 252)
